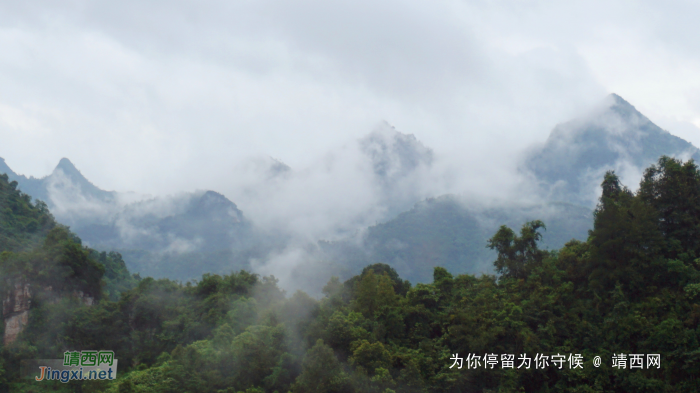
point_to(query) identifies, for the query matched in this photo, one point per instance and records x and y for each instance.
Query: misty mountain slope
(383, 177)
(446, 232)
(394, 154)
(399, 162)
(182, 237)
(65, 178)
(179, 237)
(352, 186)
(205, 215)
(183, 223)
(570, 165)
(615, 136)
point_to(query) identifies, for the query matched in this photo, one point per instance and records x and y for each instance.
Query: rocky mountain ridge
(161, 236)
(614, 136)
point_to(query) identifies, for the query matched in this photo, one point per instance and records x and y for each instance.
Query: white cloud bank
(162, 97)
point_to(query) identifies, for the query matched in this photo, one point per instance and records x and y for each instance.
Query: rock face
(84, 298)
(16, 304)
(15, 311)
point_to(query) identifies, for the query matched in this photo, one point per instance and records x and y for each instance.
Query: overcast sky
(167, 96)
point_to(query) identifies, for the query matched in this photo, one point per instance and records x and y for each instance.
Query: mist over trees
(193, 294)
(631, 287)
(351, 196)
(393, 201)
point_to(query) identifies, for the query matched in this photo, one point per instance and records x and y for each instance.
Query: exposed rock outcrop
(17, 302)
(84, 298)
(15, 310)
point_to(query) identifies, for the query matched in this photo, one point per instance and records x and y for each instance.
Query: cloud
(70, 204)
(163, 95)
(353, 185)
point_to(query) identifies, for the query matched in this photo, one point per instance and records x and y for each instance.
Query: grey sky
(167, 96)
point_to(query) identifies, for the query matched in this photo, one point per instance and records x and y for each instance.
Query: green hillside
(22, 223)
(631, 288)
(448, 232)
(45, 260)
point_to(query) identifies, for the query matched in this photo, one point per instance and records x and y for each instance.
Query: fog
(290, 109)
(161, 97)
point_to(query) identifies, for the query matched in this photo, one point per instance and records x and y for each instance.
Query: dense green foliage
(632, 287)
(22, 224)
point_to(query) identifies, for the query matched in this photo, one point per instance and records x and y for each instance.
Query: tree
(673, 189)
(373, 292)
(321, 372)
(517, 253)
(625, 240)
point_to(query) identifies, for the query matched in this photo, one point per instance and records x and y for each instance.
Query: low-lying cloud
(166, 98)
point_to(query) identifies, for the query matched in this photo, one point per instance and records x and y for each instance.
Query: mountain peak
(73, 175)
(614, 136)
(393, 153)
(211, 204)
(66, 166)
(618, 99)
(68, 169)
(624, 108)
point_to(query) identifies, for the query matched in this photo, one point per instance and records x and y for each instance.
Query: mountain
(44, 261)
(394, 155)
(23, 225)
(179, 237)
(634, 284)
(6, 170)
(449, 231)
(398, 163)
(572, 161)
(64, 178)
(189, 234)
(204, 219)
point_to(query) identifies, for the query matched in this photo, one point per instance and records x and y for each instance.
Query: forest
(632, 288)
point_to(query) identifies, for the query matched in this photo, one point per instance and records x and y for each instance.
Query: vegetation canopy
(633, 288)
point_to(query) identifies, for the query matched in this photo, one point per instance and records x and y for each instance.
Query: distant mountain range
(447, 231)
(64, 175)
(571, 163)
(180, 237)
(452, 232)
(196, 220)
(202, 219)
(186, 235)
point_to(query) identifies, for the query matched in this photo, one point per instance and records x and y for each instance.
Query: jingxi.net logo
(85, 365)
